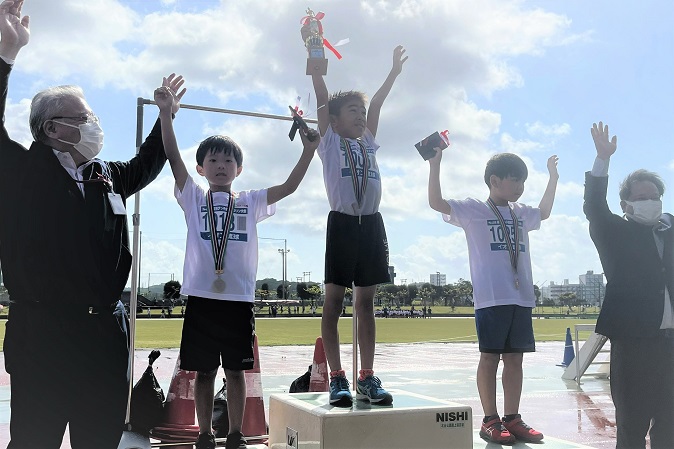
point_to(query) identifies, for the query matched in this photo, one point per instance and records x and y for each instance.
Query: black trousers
(642, 388)
(67, 366)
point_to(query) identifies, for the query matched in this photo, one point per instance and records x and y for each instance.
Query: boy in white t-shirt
(356, 246)
(503, 292)
(219, 274)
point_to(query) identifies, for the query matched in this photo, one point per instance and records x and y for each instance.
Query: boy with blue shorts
(356, 246)
(500, 269)
(220, 267)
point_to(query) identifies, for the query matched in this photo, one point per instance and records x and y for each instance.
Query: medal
(219, 245)
(219, 285)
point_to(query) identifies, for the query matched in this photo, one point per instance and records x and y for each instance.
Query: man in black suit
(637, 254)
(65, 260)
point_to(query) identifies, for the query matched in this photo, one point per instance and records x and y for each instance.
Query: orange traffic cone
(319, 369)
(254, 422)
(178, 424)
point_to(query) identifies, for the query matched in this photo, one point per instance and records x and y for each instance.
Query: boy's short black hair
(640, 175)
(339, 99)
(503, 165)
(219, 144)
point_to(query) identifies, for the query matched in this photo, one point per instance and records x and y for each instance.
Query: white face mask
(646, 212)
(91, 139)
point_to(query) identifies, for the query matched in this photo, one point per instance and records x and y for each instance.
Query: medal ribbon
(358, 190)
(513, 249)
(219, 246)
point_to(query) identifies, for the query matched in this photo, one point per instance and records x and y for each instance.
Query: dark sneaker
(205, 441)
(520, 430)
(494, 431)
(235, 441)
(340, 394)
(370, 389)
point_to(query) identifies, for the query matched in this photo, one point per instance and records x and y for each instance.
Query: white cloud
(538, 129)
(16, 116)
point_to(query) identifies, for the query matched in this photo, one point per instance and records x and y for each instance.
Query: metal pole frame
(135, 261)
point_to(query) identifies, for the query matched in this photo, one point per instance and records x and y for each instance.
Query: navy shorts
(505, 329)
(216, 330)
(356, 250)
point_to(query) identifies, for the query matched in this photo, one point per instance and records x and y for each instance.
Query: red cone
(319, 369)
(254, 421)
(178, 424)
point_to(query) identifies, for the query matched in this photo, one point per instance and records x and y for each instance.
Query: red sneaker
(494, 431)
(520, 430)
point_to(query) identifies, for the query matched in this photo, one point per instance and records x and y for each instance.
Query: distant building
(593, 288)
(589, 289)
(438, 279)
(392, 274)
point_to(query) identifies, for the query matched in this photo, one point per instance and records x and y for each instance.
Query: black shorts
(216, 330)
(505, 329)
(356, 250)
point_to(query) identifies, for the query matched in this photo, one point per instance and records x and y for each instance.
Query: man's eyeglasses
(89, 118)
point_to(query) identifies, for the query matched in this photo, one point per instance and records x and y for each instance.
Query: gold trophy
(312, 35)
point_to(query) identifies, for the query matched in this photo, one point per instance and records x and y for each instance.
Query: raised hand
(605, 148)
(398, 60)
(310, 139)
(13, 28)
(435, 160)
(552, 166)
(164, 98)
(174, 83)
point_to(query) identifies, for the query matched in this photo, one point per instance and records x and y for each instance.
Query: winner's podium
(308, 421)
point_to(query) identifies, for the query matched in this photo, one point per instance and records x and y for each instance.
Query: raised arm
(435, 199)
(169, 102)
(322, 97)
(595, 205)
(605, 147)
(549, 196)
(277, 193)
(13, 28)
(378, 100)
(14, 35)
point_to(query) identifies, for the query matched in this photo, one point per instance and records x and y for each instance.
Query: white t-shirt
(240, 265)
(490, 269)
(337, 173)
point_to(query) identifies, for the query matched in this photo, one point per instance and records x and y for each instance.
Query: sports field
(165, 333)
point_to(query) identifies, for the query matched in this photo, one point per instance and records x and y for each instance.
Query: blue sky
(528, 77)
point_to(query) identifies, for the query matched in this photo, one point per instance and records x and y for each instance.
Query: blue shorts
(505, 329)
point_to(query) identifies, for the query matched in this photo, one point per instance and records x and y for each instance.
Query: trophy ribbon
(329, 46)
(219, 245)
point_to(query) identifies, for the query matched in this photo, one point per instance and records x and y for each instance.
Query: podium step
(308, 421)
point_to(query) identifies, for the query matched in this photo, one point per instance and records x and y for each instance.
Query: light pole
(308, 274)
(284, 252)
(437, 278)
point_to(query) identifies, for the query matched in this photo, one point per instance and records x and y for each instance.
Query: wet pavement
(558, 408)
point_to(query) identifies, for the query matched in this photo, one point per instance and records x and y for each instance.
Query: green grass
(158, 333)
